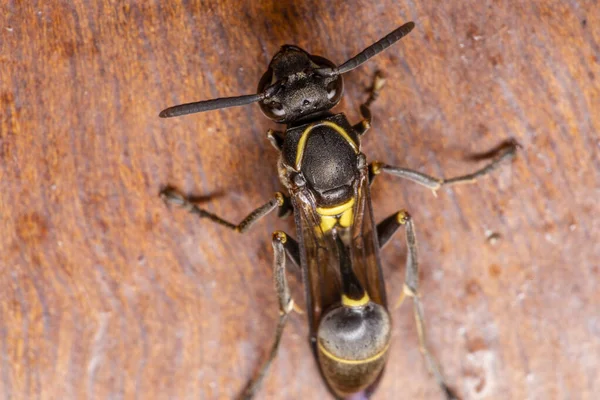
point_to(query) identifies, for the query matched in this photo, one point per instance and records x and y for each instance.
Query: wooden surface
(107, 294)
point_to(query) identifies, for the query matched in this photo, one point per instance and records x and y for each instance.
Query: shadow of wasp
(327, 180)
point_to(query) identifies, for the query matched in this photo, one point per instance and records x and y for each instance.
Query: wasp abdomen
(352, 346)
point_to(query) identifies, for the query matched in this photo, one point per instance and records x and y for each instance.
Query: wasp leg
(293, 251)
(171, 196)
(363, 126)
(389, 226)
(507, 153)
(286, 209)
(411, 289)
(276, 138)
(286, 304)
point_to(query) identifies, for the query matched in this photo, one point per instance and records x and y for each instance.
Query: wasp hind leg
(385, 230)
(279, 200)
(363, 126)
(282, 245)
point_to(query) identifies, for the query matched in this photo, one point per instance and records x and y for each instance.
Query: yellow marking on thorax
(335, 210)
(327, 223)
(347, 218)
(353, 362)
(348, 302)
(342, 214)
(305, 134)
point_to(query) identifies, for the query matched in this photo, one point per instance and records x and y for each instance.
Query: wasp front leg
(276, 139)
(385, 231)
(507, 153)
(282, 245)
(363, 126)
(279, 201)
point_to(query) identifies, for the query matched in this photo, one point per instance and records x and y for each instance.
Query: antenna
(369, 52)
(207, 105)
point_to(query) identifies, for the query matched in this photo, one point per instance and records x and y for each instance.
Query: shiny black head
(300, 90)
(297, 85)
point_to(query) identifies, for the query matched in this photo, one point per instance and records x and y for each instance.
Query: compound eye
(331, 90)
(334, 90)
(277, 109)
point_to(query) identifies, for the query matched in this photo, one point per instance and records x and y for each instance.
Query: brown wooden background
(106, 293)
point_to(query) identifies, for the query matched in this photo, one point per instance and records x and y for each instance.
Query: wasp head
(297, 91)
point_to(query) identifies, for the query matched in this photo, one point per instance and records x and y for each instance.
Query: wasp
(327, 188)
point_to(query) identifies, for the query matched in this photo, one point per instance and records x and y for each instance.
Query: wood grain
(107, 294)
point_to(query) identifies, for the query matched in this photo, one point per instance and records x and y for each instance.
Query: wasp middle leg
(279, 201)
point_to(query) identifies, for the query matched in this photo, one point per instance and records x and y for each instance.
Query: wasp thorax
(353, 344)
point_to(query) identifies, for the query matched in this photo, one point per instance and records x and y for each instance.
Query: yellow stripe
(348, 302)
(353, 362)
(335, 210)
(304, 138)
(347, 218)
(327, 223)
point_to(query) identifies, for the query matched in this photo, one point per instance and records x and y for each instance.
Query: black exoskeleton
(327, 178)
(329, 163)
(297, 89)
(297, 86)
(302, 94)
